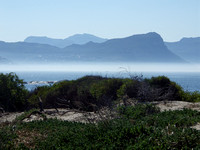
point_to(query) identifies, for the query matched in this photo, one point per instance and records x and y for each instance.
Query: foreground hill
(143, 48)
(187, 48)
(75, 39)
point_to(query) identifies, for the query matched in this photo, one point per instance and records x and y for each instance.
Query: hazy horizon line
(62, 38)
(103, 67)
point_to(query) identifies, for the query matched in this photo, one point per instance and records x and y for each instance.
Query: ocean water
(190, 81)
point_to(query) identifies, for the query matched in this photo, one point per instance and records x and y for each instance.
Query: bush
(70, 94)
(12, 92)
(164, 89)
(90, 92)
(41, 92)
(88, 80)
(107, 88)
(129, 87)
(191, 96)
(160, 81)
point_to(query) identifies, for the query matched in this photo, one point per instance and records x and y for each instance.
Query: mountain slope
(144, 48)
(187, 48)
(137, 48)
(75, 39)
(29, 52)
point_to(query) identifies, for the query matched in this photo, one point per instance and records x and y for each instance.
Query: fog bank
(103, 67)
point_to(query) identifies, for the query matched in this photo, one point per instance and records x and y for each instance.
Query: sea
(189, 81)
(34, 75)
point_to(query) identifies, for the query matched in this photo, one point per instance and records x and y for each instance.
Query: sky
(172, 19)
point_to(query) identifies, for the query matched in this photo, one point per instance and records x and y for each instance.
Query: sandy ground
(177, 105)
(78, 116)
(9, 117)
(63, 114)
(74, 115)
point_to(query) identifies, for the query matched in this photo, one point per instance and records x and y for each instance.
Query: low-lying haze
(104, 67)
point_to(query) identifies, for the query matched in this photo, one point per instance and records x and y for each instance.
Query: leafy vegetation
(190, 96)
(93, 92)
(142, 126)
(137, 127)
(12, 92)
(89, 93)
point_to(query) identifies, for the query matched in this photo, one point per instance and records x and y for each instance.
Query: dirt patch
(177, 105)
(62, 114)
(33, 118)
(9, 117)
(197, 126)
(80, 116)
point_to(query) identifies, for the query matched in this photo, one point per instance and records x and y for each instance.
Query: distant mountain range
(22, 52)
(187, 48)
(137, 48)
(148, 48)
(61, 43)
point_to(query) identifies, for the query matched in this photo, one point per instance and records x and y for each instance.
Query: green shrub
(160, 81)
(107, 88)
(41, 92)
(191, 96)
(12, 92)
(140, 110)
(88, 80)
(129, 87)
(91, 91)
(166, 89)
(195, 96)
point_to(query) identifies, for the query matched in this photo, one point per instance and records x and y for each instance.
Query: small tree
(12, 92)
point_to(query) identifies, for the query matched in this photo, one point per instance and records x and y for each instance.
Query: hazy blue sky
(173, 19)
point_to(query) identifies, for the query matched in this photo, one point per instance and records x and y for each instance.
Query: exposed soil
(9, 117)
(78, 116)
(177, 105)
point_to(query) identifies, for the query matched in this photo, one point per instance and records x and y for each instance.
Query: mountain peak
(138, 48)
(147, 35)
(151, 38)
(153, 34)
(33, 39)
(85, 38)
(187, 48)
(61, 43)
(82, 35)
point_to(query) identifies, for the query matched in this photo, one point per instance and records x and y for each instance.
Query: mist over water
(103, 67)
(186, 75)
